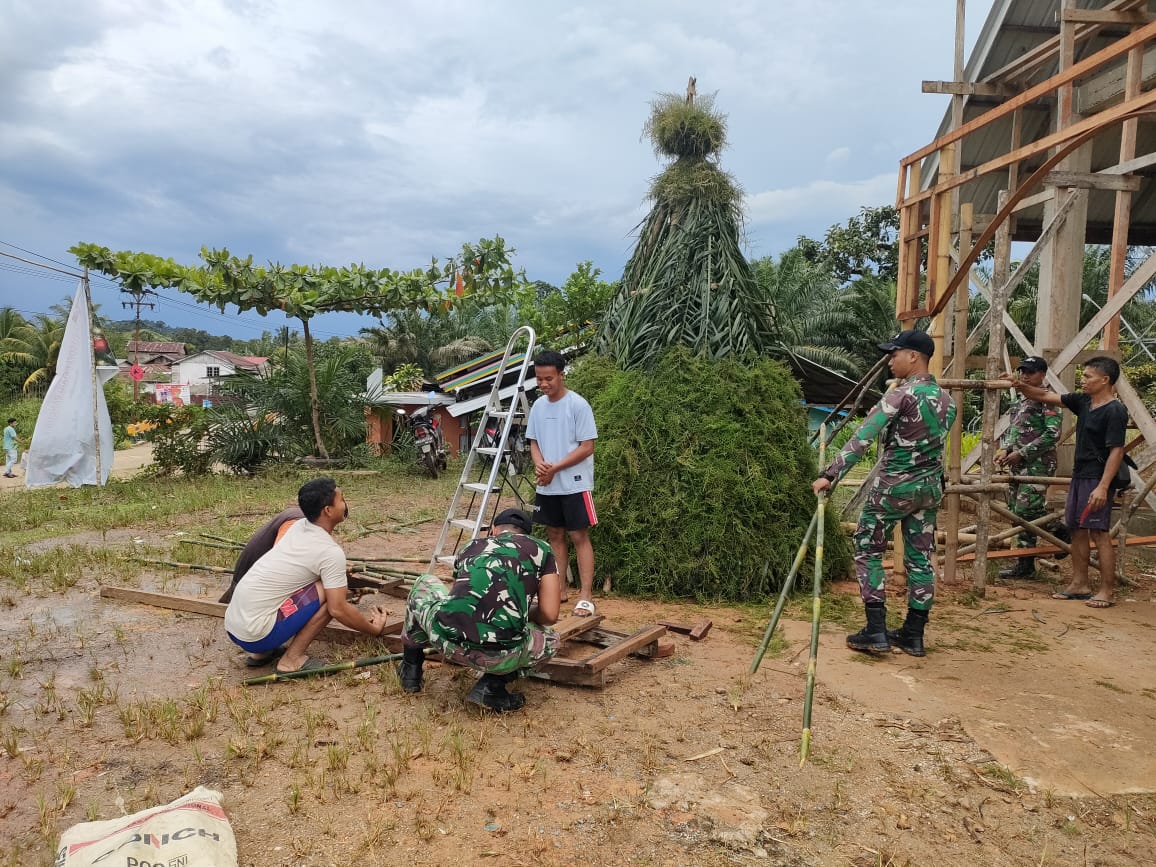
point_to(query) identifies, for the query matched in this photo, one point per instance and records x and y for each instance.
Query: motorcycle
(519, 448)
(428, 441)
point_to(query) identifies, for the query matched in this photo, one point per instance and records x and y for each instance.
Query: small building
(202, 370)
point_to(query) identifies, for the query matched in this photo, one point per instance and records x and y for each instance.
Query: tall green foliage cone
(703, 476)
(687, 283)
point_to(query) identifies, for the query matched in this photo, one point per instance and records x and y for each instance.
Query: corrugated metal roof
(1013, 28)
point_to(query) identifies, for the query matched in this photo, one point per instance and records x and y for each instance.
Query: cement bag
(191, 831)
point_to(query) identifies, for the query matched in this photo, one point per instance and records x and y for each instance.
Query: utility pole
(138, 301)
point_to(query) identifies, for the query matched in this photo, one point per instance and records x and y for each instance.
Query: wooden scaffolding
(1048, 139)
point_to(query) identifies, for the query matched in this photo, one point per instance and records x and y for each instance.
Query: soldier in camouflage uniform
(913, 420)
(1028, 448)
(486, 620)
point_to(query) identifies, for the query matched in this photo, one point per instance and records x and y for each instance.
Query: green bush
(178, 440)
(702, 477)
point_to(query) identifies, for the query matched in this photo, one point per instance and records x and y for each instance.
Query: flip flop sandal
(258, 661)
(1062, 595)
(1100, 603)
(310, 663)
(584, 608)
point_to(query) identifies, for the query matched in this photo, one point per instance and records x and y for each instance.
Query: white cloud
(390, 132)
(817, 198)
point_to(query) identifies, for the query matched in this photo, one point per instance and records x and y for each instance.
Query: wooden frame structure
(1101, 88)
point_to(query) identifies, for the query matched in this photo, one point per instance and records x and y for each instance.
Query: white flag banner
(64, 444)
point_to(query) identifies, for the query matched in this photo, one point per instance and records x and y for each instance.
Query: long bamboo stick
(202, 567)
(206, 544)
(322, 671)
(816, 604)
(788, 582)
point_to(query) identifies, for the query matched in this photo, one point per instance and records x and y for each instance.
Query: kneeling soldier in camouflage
(486, 620)
(913, 420)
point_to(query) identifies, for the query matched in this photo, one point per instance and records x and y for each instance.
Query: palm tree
(802, 299)
(35, 347)
(431, 341)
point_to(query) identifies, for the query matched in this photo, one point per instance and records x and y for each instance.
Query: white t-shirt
(305, 553)
(559, 426)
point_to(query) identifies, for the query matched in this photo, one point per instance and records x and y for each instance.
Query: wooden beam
(1102, 16)
(641, 638)
(1042, 53)
(333, 631)
(1129, 166)
(1076, 71)
(1109, 86)
(1093, 180)
(969, 88)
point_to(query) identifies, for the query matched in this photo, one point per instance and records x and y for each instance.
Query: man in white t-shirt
(561, 432)
(294, 590)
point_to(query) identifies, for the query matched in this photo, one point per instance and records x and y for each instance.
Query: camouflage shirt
(494, 579)
(1033, 431)
(914, 419)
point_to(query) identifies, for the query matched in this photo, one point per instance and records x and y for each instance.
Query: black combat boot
(872, 638)
(409, 669)
(1024, 567)
(909, 637)
(490, 692)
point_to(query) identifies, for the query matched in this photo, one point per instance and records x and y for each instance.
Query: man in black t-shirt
(1101, 425)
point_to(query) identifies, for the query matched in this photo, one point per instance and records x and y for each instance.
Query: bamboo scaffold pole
(816, 605)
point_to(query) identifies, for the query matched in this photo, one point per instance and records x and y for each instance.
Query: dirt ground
(1022, 738)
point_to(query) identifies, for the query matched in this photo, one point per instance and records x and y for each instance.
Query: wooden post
(959, 371)
(1122, 216)
(995, 350)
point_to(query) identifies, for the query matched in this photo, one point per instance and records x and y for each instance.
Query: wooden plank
(1044, 88)
(969, 88)
(698, 631)
(572, 626)
(571, 672)
(641, 638)
(334, 631)
(611, 637)
(1093, 180)
(1102, 16)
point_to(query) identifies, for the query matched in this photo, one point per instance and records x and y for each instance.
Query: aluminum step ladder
(493, 473)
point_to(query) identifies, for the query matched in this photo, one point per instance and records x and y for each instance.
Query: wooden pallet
(590, 671)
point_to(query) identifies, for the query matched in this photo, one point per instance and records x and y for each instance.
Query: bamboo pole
(816, 604)
(788, 582)
(322, 671)
(1015, 531)
(1007, 513)
(954, 457)
(198, 566)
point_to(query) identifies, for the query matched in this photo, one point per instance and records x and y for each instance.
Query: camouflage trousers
(1028, 502)
(914, 510)
(422, 629)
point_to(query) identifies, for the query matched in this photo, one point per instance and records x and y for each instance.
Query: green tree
(35, 347)
(807, 319)
(303, 292)
(560, 315)
(866, 245)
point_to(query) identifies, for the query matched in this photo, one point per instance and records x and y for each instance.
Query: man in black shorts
(1101, 425)
(561, 432)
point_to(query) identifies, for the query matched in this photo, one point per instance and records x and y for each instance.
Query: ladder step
(504, 413)
(464, 523)
(447, 559)
(480, 488)
(488, 450)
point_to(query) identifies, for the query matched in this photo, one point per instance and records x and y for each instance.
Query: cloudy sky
(312, 132)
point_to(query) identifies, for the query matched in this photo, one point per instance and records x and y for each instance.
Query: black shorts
(571, 511)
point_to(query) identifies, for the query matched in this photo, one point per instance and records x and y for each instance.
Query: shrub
(178, 440)
(702, 477)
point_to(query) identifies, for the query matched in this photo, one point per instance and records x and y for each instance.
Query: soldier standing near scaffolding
(1028, 448)
(913, 420)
